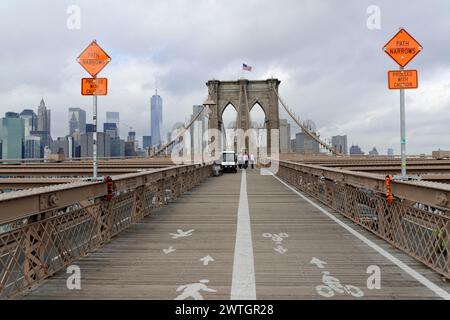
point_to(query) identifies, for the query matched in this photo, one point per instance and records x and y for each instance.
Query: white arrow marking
(319, 263)
(171, 249)
(280, 249)
(206, 260)
(181, 234)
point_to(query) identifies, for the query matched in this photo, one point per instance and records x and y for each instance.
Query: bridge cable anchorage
(304, 128)
(179, 135)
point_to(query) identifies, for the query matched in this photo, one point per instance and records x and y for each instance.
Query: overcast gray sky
(330, 64)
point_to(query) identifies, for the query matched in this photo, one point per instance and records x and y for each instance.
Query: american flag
(246, 67)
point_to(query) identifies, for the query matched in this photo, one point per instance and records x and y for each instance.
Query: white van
(229, 161)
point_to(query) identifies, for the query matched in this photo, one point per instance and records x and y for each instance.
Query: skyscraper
(305, 144)
(43, 126)
(146, 142)
(197, 130)
(156, 119)
(12, 136)
(339, 143)
(285, 136)
(113, 117)
(30, 121)
(110, 128)
(77, 120)
(356, 150)
(44, 118)
(32, 148)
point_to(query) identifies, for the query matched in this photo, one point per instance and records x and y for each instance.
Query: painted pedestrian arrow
(280, 249)
(206, 260)
(319, 263)
(182, 234)
(171, 249)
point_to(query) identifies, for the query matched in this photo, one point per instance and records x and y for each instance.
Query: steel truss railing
(417, 221)
(43, 230)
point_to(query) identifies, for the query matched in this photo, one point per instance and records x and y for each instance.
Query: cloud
(330, 64)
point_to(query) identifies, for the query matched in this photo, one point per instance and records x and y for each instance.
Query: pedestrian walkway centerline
(243, 281)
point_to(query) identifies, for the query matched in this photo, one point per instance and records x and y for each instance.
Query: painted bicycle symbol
(277, 238)
(332, 285)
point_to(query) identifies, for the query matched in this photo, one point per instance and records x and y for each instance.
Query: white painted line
(413, 273)
(243, 283)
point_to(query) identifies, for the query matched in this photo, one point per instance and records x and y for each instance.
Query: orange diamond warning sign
(93, 59)
(402, 48)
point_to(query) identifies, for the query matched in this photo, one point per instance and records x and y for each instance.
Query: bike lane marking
(413, 273)
(243, 281)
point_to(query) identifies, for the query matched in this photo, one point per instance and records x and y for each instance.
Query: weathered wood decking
(134, 265)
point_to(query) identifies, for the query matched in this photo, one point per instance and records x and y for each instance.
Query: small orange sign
(403, 79)
(93, 59)
(402, 48)
(94, 86)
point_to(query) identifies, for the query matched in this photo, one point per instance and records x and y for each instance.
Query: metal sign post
(94, 59)
(94, 139)
(402, 130)
(402, 48)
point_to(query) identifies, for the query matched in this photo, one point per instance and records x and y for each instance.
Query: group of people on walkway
(244, 159)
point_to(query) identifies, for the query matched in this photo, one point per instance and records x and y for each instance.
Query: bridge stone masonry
(308, 231)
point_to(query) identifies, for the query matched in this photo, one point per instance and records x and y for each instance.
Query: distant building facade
(30, 121)
(156, 120)
(146, 142)
(12, 134)
(77, 120)
(356, 150)
(113, 117)
(32, 148)
(305, 144)
(103, 145)
(43, 126)
(339, 143)
(90, 127)
(373, 152)
(43, 118)
(285, 136)
(197, 130)
(110, 128)
(117, 147)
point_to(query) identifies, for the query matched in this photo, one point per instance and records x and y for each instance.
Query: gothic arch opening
(257, 124)
(228, 120)
(257, 116)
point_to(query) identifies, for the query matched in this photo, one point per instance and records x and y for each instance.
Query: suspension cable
(179, 135)
(304, 128)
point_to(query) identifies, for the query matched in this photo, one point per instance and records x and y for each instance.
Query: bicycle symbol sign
(277, 238)
(332, 285)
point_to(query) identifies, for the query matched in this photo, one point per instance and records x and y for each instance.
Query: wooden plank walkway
(287, 232)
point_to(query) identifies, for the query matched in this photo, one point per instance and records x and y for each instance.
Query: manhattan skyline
(312, 48)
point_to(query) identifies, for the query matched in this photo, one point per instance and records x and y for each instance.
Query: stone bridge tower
(243, 94)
